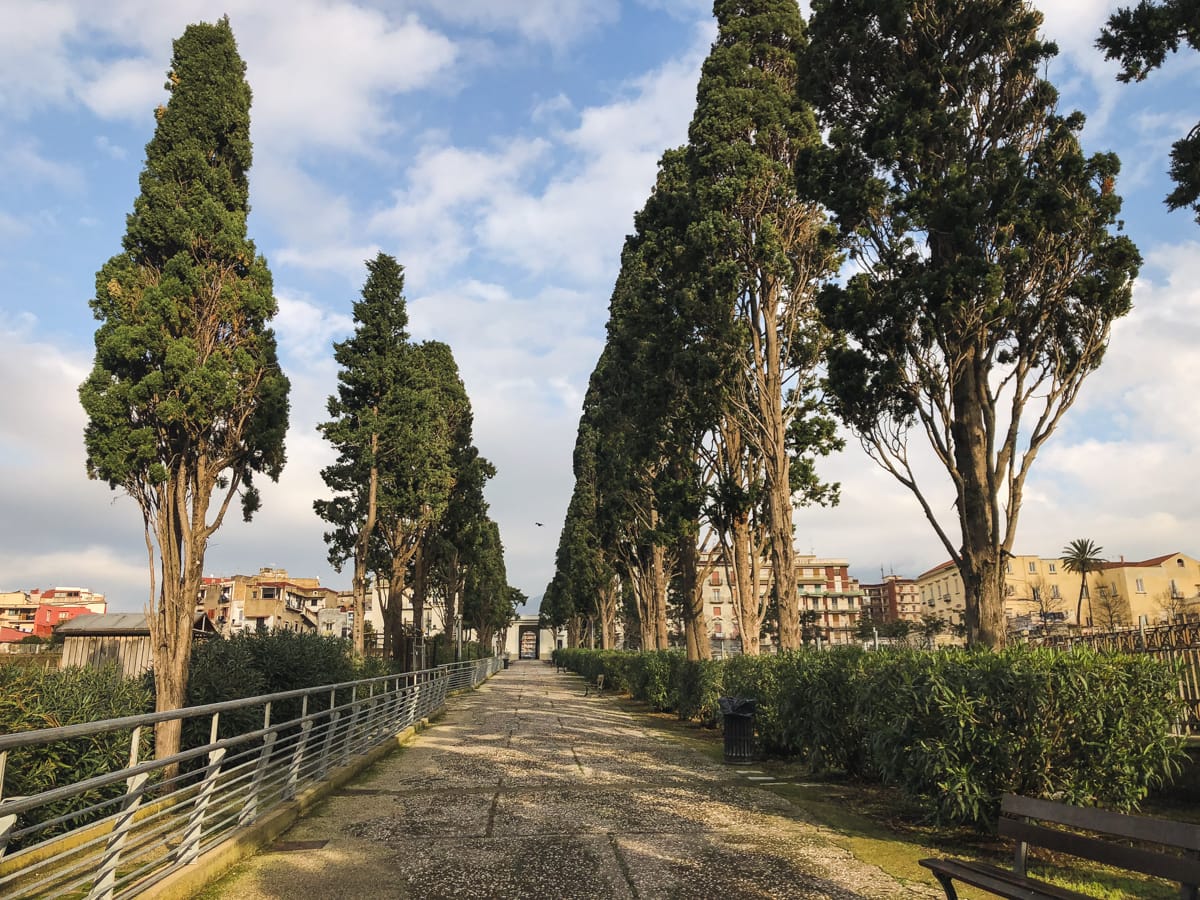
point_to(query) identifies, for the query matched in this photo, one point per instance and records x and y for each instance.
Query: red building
(49, 616)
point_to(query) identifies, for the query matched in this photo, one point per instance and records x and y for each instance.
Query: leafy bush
(32, 699)
(698, 684)
(958, 728)
(651, 680)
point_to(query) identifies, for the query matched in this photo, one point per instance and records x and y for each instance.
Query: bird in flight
(538, 524)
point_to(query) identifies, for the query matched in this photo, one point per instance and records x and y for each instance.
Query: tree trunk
(419, 585)
(607, 603)
(979, 565)
(658, 596)
(691, 590)
(361, 548)
(744, 586)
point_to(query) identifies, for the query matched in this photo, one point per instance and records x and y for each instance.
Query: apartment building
(39, 612)
(832, 599)
(1040, 590)
(270, 599)
(893, 599)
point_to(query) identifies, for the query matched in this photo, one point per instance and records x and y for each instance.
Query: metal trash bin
(506, 662)
(738, 714)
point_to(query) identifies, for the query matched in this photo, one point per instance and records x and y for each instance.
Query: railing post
(106, 871)
(250, 810)
(7, 824)
(346, 744)
(189, 849)
(323, 769)
(289, 790)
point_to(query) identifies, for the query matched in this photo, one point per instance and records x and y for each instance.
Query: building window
(717, 628)
(1032, 567)
(1008, 567)
(1179, 562)
(715, 578)
(1140, 585)
(1053, 568)
(1054, 592)
(269, 593)
(716, 611)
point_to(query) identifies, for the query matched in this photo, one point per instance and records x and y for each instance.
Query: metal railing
(134, 821)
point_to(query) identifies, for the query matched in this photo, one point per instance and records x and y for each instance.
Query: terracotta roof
(947, 564)
(1144, 564)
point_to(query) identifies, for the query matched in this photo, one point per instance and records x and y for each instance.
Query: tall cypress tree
(362, 422)
(763, 252)
(186, 401)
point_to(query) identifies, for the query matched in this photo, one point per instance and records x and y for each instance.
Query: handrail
(115, 833)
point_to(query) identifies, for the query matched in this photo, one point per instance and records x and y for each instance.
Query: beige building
(832, 598)
(272, 599)
(1040, 590)
(18, 609)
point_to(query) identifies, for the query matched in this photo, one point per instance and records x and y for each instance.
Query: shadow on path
(527, 788)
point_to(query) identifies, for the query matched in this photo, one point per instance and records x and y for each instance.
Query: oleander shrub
(32, 699)
(817, 710)
(651, 677)
(957, 729)
(699, 684)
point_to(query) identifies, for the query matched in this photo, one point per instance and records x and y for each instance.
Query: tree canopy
(986, 267)
(186, 398)
(1140, 38)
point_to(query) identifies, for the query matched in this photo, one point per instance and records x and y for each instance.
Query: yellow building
(1041, 591)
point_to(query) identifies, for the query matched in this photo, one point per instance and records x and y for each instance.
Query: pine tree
(186, 400)
(988, 270)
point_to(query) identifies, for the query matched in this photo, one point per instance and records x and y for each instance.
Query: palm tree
(1082, 556)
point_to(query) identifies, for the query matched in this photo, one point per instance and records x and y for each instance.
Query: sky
(498, 149)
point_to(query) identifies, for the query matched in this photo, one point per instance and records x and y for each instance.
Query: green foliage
(651, 678)
(1140, 38)
(957, 729)
(32, 699)
(185, 366)
(699, 683)
(954, 730)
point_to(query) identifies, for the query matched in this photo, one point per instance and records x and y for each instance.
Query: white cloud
(544, 21)
(128, 89)
(34, 66)
(24, 159)
(574, 226)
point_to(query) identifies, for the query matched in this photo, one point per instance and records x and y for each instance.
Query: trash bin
(506, 662)
(738, 713)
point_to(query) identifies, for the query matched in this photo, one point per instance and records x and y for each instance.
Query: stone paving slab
(527, 788)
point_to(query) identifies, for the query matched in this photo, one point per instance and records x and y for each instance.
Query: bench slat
(1183, 835)
(1149, 862)
(1000, 881)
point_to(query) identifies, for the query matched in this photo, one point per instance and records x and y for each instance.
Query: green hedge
(32, 699)
(954, 729)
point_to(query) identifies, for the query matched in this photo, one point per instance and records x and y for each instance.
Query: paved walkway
(527, 788)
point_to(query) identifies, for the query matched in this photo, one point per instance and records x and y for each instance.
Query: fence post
(7, 824)
(250, 810)
(289, 790)
(189, 850)
(106, 871)
(323, 769)
(350, 728)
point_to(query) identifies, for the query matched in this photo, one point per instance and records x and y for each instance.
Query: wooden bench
(1175, 855)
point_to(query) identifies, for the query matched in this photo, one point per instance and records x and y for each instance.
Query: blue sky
(498, 149)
